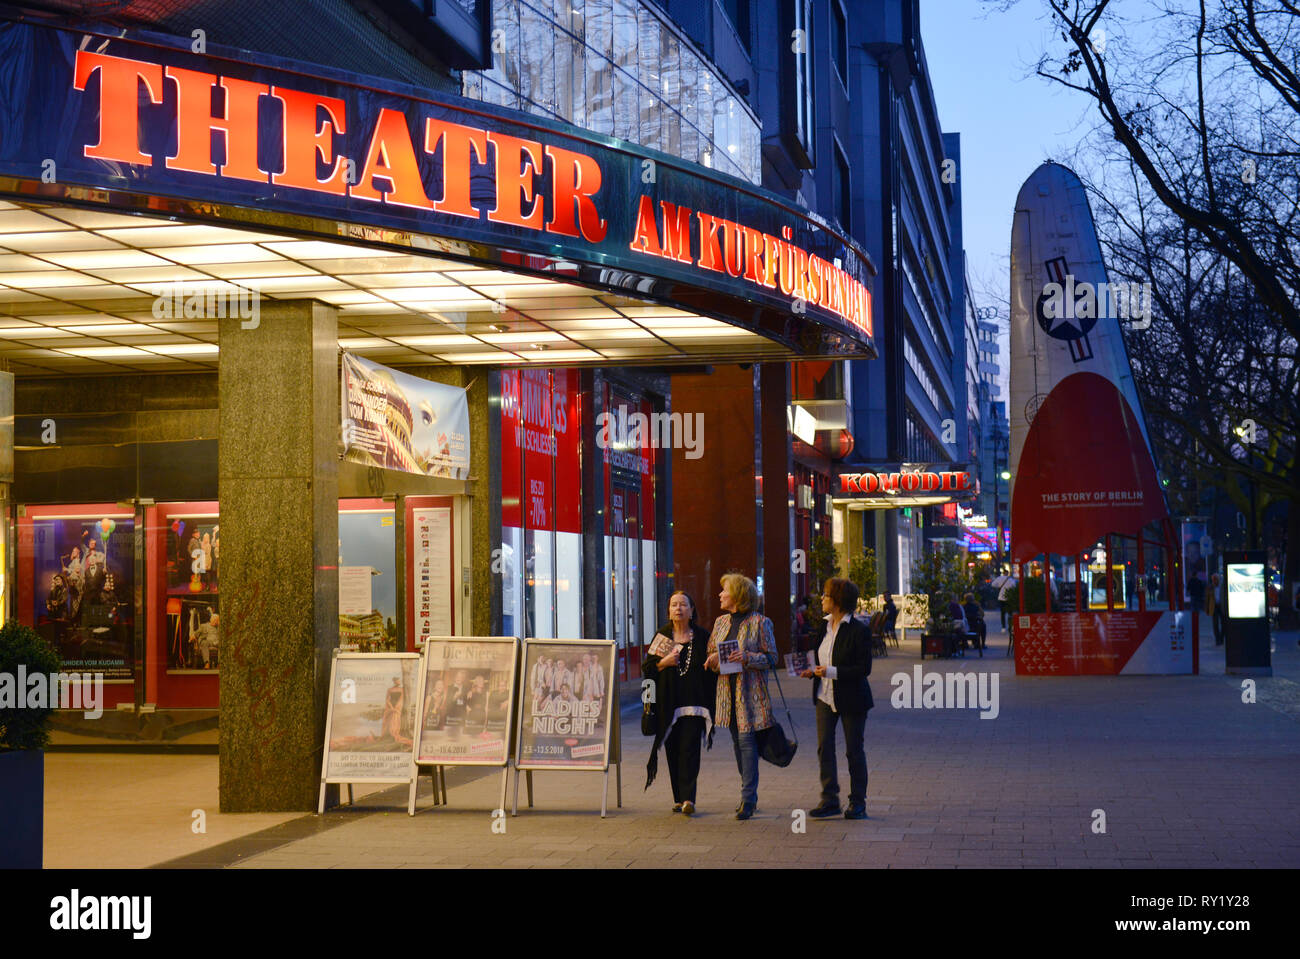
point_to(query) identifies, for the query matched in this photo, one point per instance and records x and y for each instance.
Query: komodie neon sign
(905, 482)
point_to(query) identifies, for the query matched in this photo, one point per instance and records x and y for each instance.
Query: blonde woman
(742, 703)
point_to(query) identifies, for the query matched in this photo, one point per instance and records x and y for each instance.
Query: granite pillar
(278, 486)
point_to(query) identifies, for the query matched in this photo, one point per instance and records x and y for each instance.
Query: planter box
(22, 808)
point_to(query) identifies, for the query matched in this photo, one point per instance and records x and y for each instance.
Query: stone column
(278, 486)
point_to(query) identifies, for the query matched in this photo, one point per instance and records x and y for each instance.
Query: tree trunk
(1288, 617)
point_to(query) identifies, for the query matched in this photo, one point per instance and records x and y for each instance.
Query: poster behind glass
(366, 539)
(565, 703)
(372, 717)
(192, 570)
(468, 694)
(84, 575)
(1196, 563)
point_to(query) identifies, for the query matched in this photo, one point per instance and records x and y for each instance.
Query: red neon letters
(904, 482)
(310, 128)
(760, 258)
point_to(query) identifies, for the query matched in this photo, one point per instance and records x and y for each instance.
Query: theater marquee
(118, 119)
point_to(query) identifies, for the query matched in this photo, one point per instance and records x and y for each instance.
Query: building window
(738, 13)
(840, 42)
(620, 68)
(841, 191)
(798, 117)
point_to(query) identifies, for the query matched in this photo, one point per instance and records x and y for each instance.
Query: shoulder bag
(772, 744)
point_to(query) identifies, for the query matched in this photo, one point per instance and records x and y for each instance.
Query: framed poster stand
(466, 709)
(371, 721)
(567, 719)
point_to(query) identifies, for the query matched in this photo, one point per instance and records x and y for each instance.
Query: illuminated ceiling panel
(79, 288)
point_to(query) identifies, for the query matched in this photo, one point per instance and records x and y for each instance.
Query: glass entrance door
(626, 627)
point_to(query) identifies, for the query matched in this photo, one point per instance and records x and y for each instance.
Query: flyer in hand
(725, 649)
(796, 663)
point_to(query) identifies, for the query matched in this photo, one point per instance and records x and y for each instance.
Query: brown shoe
(688, 808)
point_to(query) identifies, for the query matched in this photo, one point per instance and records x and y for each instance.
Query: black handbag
(649, 720)
(772, 744)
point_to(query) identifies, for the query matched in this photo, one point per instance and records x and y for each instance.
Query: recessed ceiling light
(104, 352)
(184, 349)
(108, 329)
(30, 332)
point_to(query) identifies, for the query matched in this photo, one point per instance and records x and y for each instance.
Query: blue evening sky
(1010, 120)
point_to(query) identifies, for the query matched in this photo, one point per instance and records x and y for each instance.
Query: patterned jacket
(746, 691)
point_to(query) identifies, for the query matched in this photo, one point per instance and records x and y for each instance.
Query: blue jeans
(746, 747)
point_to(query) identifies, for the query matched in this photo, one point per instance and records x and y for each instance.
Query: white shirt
(1006, 588)
(827, 692)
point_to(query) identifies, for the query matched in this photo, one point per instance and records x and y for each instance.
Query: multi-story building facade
(909, 411)
(576, 215)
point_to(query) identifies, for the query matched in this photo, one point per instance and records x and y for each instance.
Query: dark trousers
(855, 725)
(1218, 625)
(1002, 608)
(683, 750)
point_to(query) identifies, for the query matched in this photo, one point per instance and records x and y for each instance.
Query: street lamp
(998, 440)
(1242, 433)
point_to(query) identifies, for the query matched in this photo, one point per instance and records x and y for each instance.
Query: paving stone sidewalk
(1186, 774)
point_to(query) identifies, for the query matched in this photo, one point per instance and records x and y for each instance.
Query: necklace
(684, 664)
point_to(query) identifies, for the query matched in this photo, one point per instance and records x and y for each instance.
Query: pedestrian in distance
(684, 696)
(1005, 583)
(958, 617)
(975, 620)
(841, 695)
(743, 705)
(1214, 609)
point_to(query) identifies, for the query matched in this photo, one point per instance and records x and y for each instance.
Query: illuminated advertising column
(1245, 604)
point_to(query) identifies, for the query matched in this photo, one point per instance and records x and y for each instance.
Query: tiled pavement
(1185, 773)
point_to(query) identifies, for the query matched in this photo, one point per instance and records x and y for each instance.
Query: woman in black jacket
(684, 692)
(842, 695)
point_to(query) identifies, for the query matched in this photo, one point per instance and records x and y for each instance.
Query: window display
(191, 566)
(79, 577)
